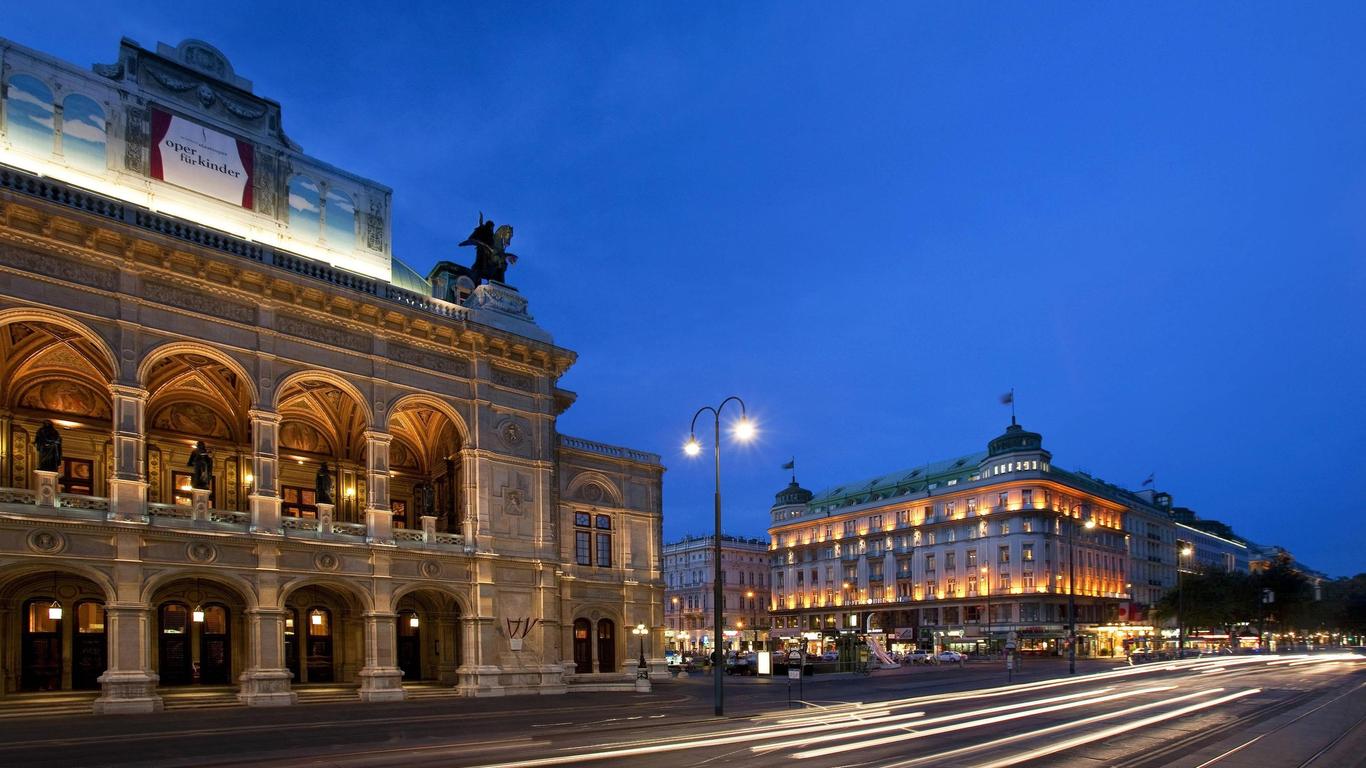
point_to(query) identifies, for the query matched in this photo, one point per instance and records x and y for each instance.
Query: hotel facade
(970, 553)
(176, 270)
(689, 592)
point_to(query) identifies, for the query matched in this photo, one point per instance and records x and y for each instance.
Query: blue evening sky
(870, 220)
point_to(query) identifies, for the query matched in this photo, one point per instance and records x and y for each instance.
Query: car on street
(742, 664)
(918, 656)
(949, 657)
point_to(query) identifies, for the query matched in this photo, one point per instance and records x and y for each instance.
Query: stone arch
(172, 348)
(17, 572)
(316, 374)
(344, 587)
(244, 588)
(39, 315)
(435, 403)
(579, 489)
(461, 599)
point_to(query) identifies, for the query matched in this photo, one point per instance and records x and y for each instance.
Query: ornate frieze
(337, 337)
(198, 301)
(60, 268)
(454, 366)
(506, 378)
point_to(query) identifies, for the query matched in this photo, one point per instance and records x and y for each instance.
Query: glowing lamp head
(743, 430)
(316, 618)
(692, 447)
(54, 611)
(1090, 524)
(1187, 551)
(197, 615)
(413, 621)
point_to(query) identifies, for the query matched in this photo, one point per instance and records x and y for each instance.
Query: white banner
(190, 155)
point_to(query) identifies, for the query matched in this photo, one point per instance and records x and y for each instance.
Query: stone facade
(447, 553)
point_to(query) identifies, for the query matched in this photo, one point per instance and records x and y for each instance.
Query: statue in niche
(48, 441)
(491, 258)
(201, 467)
(424, 495)
(322, 484)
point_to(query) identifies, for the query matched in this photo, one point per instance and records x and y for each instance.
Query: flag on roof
(1008, 398)
(791, 464)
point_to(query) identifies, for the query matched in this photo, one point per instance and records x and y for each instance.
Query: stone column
(128, 685)
(428, 527)
(265, 479)
(266, 681)
(128, 481)
(469, 522)
(379, 520)
(381, 679)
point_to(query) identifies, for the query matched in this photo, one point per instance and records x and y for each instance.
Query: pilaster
(380, 679)
(128, 480)
(128, 685)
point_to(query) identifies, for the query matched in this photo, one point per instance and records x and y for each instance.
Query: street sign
(794, 655)
(1010, 645)
(794, 673)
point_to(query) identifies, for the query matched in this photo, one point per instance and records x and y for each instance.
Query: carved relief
(266, 183)
(196, 301)
(326, 561)
(512, 432)
(19, 455)
(201, 552)
(46, 542)
(230, 477)
(65, 396)
(374, 227)
(430, 568)
(328, 335)
(591, 493)
(509, 379)
(154, 494)
(54, 266)
(137, 139)
(431, 361)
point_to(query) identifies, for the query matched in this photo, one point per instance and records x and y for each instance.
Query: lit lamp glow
(197, 615)
(316, 617)
(413, 621)
(54, 611)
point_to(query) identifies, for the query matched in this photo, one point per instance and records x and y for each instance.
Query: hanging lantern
(316, 617)
(412, 621)
(197, 615)
(54, 611)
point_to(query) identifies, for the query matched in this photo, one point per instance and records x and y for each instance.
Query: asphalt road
(1227, 712)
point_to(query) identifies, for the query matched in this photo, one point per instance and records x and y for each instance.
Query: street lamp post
(640, 631)
(753, 620)
(1184, 551)
(744, 430)
(1072, 590)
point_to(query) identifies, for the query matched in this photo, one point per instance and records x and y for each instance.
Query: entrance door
(319, 657)
(215, 648)
(409, 645)
(176, 667)
(292, 643)
(607, 646)
(42, 648)
(583, 646)
(88, 646)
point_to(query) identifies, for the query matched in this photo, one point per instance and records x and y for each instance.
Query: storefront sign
(192, 156)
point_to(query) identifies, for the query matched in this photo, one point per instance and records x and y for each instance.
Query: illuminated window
(1027, 497)
(972, 506)
(1004, 498)
(1027, 553)
(1003, 554)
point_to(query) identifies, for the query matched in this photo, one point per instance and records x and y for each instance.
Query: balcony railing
(24, 501)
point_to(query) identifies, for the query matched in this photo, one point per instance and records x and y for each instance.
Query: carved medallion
(430, 568)
(511, 433)
(326, 561)
(201, 552)
(46, 542)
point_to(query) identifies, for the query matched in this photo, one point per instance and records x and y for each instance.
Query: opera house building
(243, 445)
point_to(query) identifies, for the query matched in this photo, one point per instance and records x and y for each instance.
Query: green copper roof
(404, 277)
(901, 483)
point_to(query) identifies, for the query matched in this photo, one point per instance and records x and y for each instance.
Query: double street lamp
(1072, 589)
(640, 631)
(743, 430)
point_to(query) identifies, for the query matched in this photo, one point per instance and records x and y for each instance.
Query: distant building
(689, 579)
(964, 552)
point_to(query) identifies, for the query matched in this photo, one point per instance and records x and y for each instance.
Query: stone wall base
(128, 693)
(381, 684)
(267, 688)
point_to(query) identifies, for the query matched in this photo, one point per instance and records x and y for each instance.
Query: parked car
(918, 656)
(949, 657)
(830, 656)
(742, 664)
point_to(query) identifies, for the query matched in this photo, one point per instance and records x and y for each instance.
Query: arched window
(339, 219)
(84, 134)
(305, 207)
(583, 646)
(29, 115)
